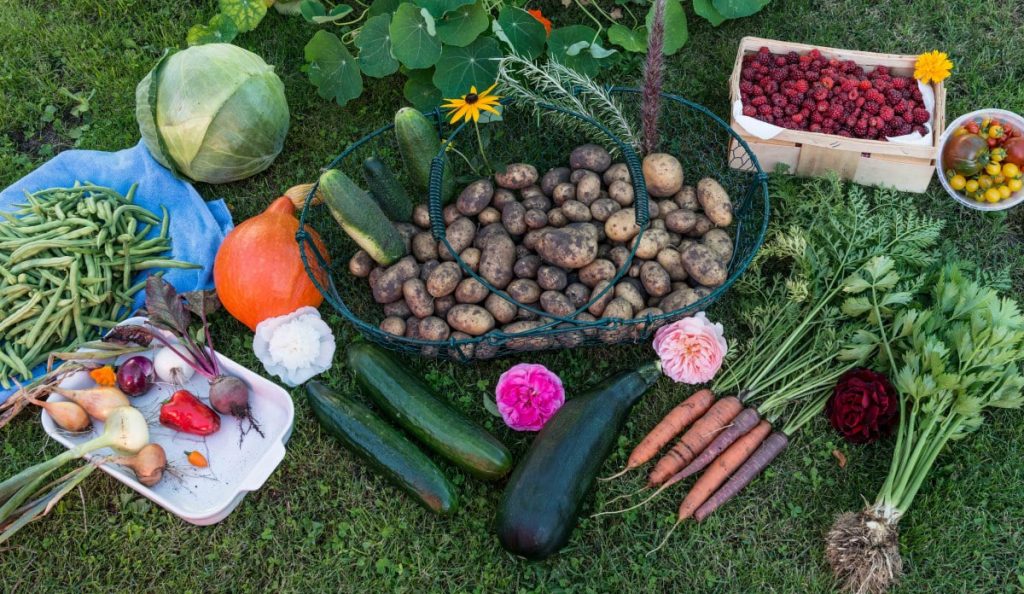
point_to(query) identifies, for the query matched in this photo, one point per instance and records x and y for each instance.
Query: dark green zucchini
(538, 510)
(410, 402)
(380, 444)
(386, 190)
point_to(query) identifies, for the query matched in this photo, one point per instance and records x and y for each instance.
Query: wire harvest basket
(690, 132)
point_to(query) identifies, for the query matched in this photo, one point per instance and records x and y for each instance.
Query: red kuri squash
(258, 271)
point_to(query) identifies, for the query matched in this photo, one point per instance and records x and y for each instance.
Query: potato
(421, 303)
(412, 328)
(588, 188)
(471, 319)
(486, 233)
(483, 351)
(551, 278)
(554, 177)
(517, 176)
(597, 271)
(501, 198)
(650, 243)
(556, 303)
(397, 309)
(634, 270)
(658, 224)
(678, 299)
(602, 208)
(618, 255)
(451, 213)
(532, 238)
(496, 260)
(424, 246)
(536, 219)
(522, 251)
(526, 266)
(434, 328)
(406, 231)
(702, 226)
(562, 192)
(618, 308)
(513, 216)
(569, 336)
(578, 174)
(393, 325)
(628, 291)
(360, 264)
(663, 174)
(719, 242)
(557, 218)
(489, 215)
(672, 262)
(578, 295)
(387, 287)
(575, 211)
(460, 235)
(526, 315)
(534, 198)
(526, 343)
(524, 290)
(655, 279)
(715, 201)
(427, 268)
(444, 279)
(621, 226)
(574, 246)
(443, 304)
(687, 198)
(590, 156)
(471, 258)
(463, 350)
(421, 216)
(597, 308)
(653, 211)
(648, 312)
(681, 220)
(617, 172)
(503, 311)
(470, 290)
(476, 197)
(702, 291)
(665, 207)
(622, 193)
(704, 265)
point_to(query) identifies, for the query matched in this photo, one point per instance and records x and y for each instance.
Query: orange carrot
(722, 468)
(696, 439)
(678, 419)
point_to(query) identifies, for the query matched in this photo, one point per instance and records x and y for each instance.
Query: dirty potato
(715, 201)
(687, 198)
(496, 260)
(650, 243)
(517, 176)
(513, 217)
(471, 319)
(588, 188)
(551, 278)
(387, 287)
(421, 303)
(421, 216)
(460, 235)
(590, 156)
(663, 174)
(575, 211)
(475, 197)
(393, 325)
(471, 258)
(424, 246)
(502, 310)
(524, 290)
(526, 266)
(434, 328)
(562, 192)
(621, 226)
(570, 247)
(536, 219)
(578, 295)
(681, 220)
(597, 271)
(655, 279)
(360, 264)
(719, 242)
(672, 262)
(555, 303)
(622, 193)
(470, 290)
(602, 208)
(597, 307)
(704, 266)
(678, 299)
(551, 179)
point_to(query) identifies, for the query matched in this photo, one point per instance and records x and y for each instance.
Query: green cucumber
(411, 403)
(361, 217)
(419, 144)
(386, 190)
(542, 500)
(380, 444)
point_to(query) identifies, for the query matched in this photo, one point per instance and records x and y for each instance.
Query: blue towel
(197, 227)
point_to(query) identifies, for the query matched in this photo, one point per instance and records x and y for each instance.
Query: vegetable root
(744, 422)
(68, 415)
(695, 439)
(761, 458)
(148, 464)
(98, 402)
(723, 467)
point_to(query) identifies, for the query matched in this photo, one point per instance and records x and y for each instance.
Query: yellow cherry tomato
(992, 195)
(999, 179)
(1004, 192)
(995, 131)
(1015, 185)
(985, 182)
(972, 186)
(1010, 170)
(957, 182)
(993, 169)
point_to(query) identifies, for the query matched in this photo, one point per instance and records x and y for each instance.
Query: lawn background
(324, 523)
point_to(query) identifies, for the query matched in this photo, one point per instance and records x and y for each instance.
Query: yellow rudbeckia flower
(932, 67)
(469, 106)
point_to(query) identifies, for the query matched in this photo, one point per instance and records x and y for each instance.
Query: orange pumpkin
(258, 271)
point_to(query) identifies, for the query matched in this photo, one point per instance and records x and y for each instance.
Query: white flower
(296, 346)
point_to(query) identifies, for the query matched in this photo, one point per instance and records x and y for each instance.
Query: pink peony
(528, 395)
(691, 350)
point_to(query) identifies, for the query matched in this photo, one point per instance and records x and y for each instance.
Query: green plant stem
(600, 25)
(480, 145)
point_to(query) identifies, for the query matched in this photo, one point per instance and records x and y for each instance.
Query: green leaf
(707, 10)
(631, 40)
(374, 43)
(463, 67)
(564, 38)
(523, 33)
(420, 91)
(439, 7)
(291, 8)
(220, 29)
(247, 14)
(312, 9)
(491, 406)
(332, 69)
(411, 41)
(382, 7)
(676, 33)
(737, 9)
(337, 13)
(461, 26)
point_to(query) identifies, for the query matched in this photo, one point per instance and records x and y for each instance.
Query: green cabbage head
(214, 113)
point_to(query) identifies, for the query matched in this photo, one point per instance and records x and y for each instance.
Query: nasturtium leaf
(411, 41)
(676, 33)
(707, 10)
(439, 7)
(374, 43)
(737, 9)
(247, 14)
(312, 9)
(463, 67)
(220, 29)
(420, 91)
(462, 25)
(564, 38)
(382, 7)
(337, 13)
(600, 52)
(290, 8)
(631, 40)
(332, 69)
(523, 33)
(576, 48)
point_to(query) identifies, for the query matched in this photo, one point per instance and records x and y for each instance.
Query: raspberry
(874, 95)
(779, 74)
(814, 54)
(792, 57)
(746, 87)
(779, 100)
(915, 94)
(771, 87)
(797, 118)
(759, 101)
(765, 57)
(829, 124)
(886, 113)
(859, 102)
(848, 66)
(764, 108)
(844, 133)
(817, 118)
(780, 60)
(847, 85)
(749, 110)
(778, 112)
(827, 81)
(893, 97)
(902, 108)
(814, 128)
(820, 93)
(882, 70)
(758, 91)
(852, 95)
(861, 132)
(836, 112)
(904, 130)
(822, 106)
(864, 85)
(871, 107)
(791, 109)
(801, 85)
(920, 115)
(851, 121)
(812, 75)
(748, 73)
(900, 82)
(791, 93)
(921, 130)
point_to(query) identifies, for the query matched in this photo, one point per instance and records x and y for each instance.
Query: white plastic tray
(201, 496)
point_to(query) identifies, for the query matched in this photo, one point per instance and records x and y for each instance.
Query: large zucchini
(361, 217)
(410, 402)
(419, 144)
(538, 510)
(386, 190)
(382, 446)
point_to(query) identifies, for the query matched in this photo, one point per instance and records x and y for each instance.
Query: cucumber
(386, 190)
(411, 403)
(380, 444)
(419, 144)
(361, 217)
(539, 507)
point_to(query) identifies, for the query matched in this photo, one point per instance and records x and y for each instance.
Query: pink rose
(528, 395)
(691, 350)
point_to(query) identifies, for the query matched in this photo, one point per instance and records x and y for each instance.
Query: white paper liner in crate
(766, 131)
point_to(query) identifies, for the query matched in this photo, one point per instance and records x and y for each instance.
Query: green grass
(323, 522)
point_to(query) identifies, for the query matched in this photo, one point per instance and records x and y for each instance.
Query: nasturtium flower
(469, 106)
(104, 376)
(537, 14)
(933, 66)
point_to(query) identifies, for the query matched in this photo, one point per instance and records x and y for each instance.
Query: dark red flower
(864, 406)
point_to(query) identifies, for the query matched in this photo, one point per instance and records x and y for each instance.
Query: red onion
(136, 375)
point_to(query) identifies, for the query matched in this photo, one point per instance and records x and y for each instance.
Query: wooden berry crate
(868, 162)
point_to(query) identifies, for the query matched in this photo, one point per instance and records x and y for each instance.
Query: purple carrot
(743, 423)
(758, 461)
(650, 107)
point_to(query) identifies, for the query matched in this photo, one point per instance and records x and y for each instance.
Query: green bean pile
(67, 258)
